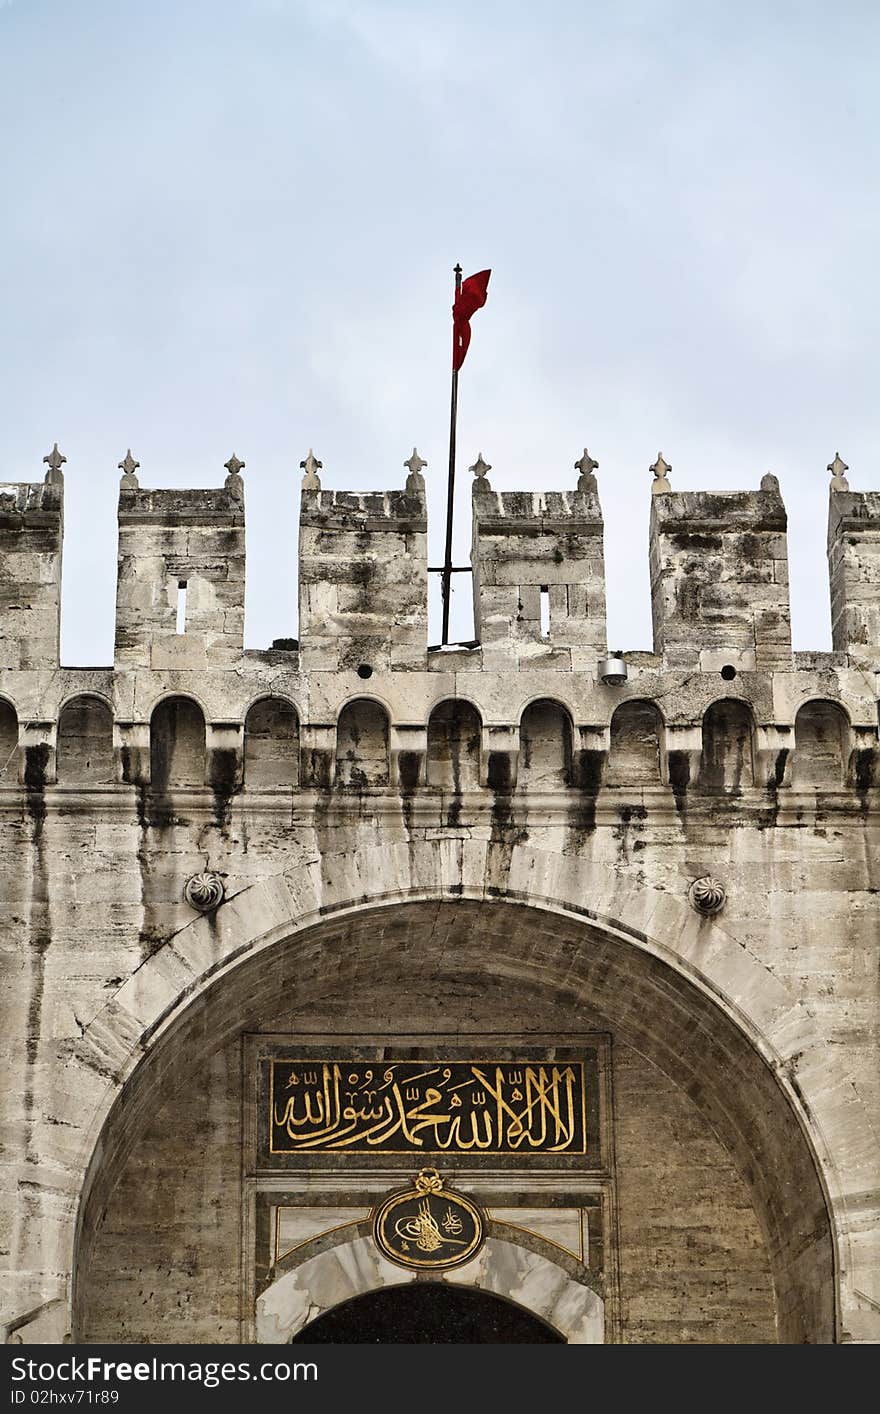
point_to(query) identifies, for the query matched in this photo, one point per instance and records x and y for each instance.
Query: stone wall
(378, 771)
(163, 1264)
(31, 527)
(362, 574)
(181, 555)
(526, 546)
(854, 564)
(719, 578)
(693, 1264)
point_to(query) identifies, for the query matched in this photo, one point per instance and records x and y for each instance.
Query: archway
(428, 1313)
(542, 1281)
(393, 969)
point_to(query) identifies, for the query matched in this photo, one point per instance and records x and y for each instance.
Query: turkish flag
(470, 298)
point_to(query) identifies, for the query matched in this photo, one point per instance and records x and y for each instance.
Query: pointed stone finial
(234, 484)
(837, 469)
(661, 470)
(415, 482)
(769, 482)
(55, 461)
(311, 466)
(128, 466)
(586, 466)
(481, 481)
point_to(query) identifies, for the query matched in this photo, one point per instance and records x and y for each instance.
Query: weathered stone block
(547, 550)
(187, 543)
(715, 584)
(854, 567)
(363, 578)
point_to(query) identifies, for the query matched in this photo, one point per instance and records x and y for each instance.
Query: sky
(231, 225)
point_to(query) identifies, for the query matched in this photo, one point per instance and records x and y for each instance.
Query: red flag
(470, 298)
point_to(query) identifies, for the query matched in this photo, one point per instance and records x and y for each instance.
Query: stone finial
(234, 484)
(480, 468)
(415, 482)
(769, 482)
(54, 461)
(311, 466)
(586, 466)
(837, 469)
(128, 466)
(661, 470)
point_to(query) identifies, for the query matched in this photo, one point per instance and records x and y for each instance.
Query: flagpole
(446, 583)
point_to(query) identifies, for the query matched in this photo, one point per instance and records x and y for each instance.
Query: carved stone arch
(563, 1294)
(821, 744)
(712, 982)
(545, 746)
(177, 743)
(455, 730)
(9, 750)
(85, 741)
(168, 694)
(634, 755)
(559, 697)
(727, 763)
(93, 693)
(363, 744)
(271, 695)
(271, 744)
(355, 698)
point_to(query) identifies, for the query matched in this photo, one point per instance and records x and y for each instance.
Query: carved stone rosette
(707, 895)
(204, 892)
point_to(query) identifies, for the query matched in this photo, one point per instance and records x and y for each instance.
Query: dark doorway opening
(427, 1313)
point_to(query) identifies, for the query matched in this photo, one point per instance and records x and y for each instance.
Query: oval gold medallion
(428, 1227)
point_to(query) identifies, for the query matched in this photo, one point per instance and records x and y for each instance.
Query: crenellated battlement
(360, 700)
(353, 837)
(173, 541)
(31, 536)
(363, 580)
(719, 578)
(526, 545)
(854, 565)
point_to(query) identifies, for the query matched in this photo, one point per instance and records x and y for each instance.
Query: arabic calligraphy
(424, 1230)
(429, 1228)
(414, 1106)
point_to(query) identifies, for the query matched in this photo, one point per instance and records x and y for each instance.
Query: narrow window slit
(181, 606)
(545, 611)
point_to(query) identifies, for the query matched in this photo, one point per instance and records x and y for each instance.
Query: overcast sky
(231, 225)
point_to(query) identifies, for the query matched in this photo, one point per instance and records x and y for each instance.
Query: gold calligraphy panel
(427, 1107)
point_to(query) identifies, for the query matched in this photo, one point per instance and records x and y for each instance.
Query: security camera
(612, 671)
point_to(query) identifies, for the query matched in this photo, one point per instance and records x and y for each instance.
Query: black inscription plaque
(427, 1107)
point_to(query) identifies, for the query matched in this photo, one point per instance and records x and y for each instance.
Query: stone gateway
(511, 991)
